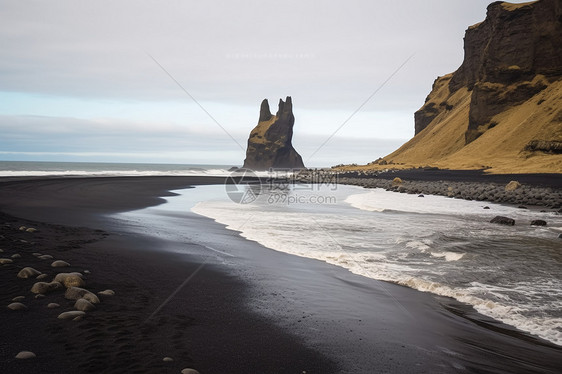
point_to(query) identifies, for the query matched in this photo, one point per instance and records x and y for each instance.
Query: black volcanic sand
(255, 311)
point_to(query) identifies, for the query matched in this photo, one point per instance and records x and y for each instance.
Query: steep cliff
(270, 142)
(502, 109)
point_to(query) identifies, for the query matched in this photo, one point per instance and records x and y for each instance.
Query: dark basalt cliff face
(270, 143)
(509, 58)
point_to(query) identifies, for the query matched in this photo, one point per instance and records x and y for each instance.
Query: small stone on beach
(189, 371)
(107, 293)
(75, 293)
(503, 220)
(41, 276)
(168, 359)
(60, 264)
(22, 228)
(84, 305)
(45, 257)
(70, 279)
(6, 261)
(39, 296)
(44, 287)
(24, 355)
(512, 186)
(17, 255)
(86, 271)
(538, 222)
(17, 306)
(31, 229)
(18, 298)
(53, 305)
(71, 315)
(28, 272)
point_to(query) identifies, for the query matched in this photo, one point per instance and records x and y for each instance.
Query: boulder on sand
(24, 355)
(503, 220)
(71, 315)
(17, 306)
(70, 279)
(84, 305)
(60, 264)
(75, 293)
(538, 222)
(512, 186)
(44, 287)
(28, 272)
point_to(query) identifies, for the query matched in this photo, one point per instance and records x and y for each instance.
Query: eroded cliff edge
(270, 142)
(502, 109)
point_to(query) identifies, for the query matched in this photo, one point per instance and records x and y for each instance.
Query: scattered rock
(107, 293)
(397, 181)
(39, 296)
(168, 359)
(512, 186)
(60, 264)
(75, 293)
(6, 261)
(538, 222)
(36, 254)
(70, 279)
(31, 229)
(44, 287)
(486, 207)
(84, 305)
(18, 298)
(522, 207)
(17, 255)
(189, 371)
(79, 318)
(503, 220)
(86, 271)
(41, 276)
(28, 272)
(17, 306)
(53, 305)
(421, 195)
(71, 315)
(24, 355)
(559, 236)
(22, 228)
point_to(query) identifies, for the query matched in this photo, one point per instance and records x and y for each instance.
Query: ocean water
(432, 244)
(30, 168)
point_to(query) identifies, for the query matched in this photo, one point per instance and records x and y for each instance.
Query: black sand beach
(254, 311)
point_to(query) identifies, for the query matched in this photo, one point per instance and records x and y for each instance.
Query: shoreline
(222, 294)
(538, 190)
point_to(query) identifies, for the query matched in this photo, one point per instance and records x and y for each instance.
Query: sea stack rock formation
(270, 143)
(502, 109)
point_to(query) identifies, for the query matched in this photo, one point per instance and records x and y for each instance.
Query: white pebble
(168, 359)
(71, 315)
(107, 293)
(189, 371)
(53, 305)
(5, 261)
(17, 255)
(45, 257)
(17, 306)
(24, 355)
(18, 298)
(60, 264)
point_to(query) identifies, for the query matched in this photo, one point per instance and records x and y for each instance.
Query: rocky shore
(541, 192)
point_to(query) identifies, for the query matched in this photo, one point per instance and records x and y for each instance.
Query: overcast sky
(85, 80)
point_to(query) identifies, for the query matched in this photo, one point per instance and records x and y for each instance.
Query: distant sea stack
(270, 143)
(502, 109)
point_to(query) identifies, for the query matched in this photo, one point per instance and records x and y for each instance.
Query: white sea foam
(432, 244)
